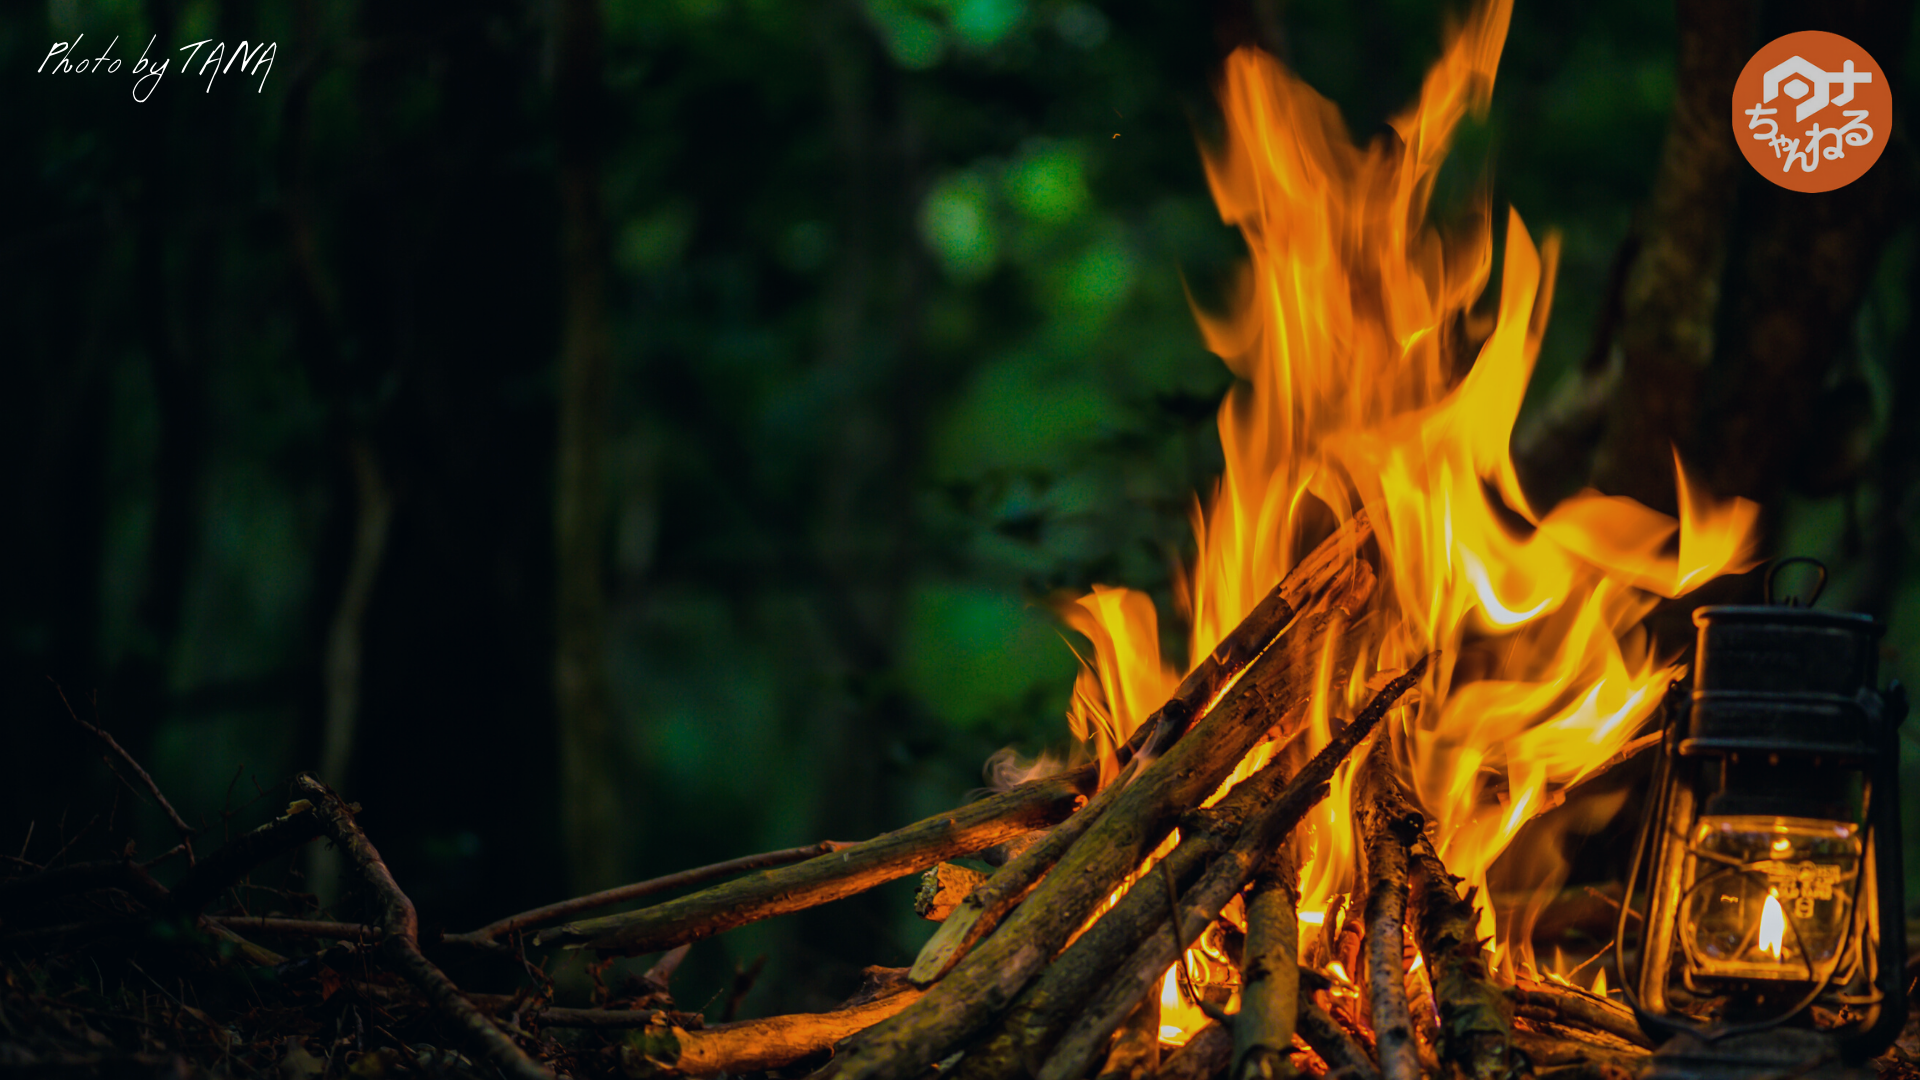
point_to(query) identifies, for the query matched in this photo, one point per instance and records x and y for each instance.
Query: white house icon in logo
(1809, 79)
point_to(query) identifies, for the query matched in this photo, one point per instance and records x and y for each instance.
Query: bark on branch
(400, 945)
(849, 870)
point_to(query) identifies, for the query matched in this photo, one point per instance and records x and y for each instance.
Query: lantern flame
(1367, 379)
(1773, 927)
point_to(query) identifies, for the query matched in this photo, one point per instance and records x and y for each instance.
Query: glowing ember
(1368, 380)
(1773, 927)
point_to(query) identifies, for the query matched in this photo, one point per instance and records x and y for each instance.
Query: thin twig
(491, 932)
(113, 746)
(401, 945)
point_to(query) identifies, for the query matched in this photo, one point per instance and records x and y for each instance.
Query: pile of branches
(1050, 966)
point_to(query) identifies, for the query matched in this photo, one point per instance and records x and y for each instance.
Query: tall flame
(1354, 341)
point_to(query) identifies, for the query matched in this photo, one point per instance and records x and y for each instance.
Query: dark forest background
(606, 439)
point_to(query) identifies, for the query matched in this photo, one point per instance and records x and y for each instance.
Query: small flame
(1773, 927)
(1339, 971)
(1179, 1018)
(1600, 983)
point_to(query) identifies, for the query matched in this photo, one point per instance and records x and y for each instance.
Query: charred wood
(1388, 832)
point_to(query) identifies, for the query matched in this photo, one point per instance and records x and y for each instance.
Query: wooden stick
(1545, 1049)
(490, 933)
(1306, 582)
(1270, 991)
(1134, 1053)
(238, 857)
(987, 905)
(852, 869)
(1140, 817)
(1574, 1006)
(1476, 1021)
(113, 747)
(1057, 997)
(1206, 1055)
(1388, 834)
(1342, 1053)
(754, 1045)
(1145, 969)
(981, 911)
(73, 878)
(401, 943)
(271, 924)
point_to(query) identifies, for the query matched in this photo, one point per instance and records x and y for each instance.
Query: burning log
(1331, 1040)
(1135, 1052)
(1270, 994)
(1318, 573)
(1226, 877)
(401, 943)
(1389, 828)
(1476, 1026)
(1062, 990)
(1205, 1056)
(1139, 816)
(853, 869)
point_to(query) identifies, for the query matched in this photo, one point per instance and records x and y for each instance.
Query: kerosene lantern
(1768, 867)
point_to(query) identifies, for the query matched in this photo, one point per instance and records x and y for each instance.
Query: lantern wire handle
(1794, 601)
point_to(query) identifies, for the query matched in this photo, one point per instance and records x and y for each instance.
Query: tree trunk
(588, 800)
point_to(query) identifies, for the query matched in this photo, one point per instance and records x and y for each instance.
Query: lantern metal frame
(1777, 683)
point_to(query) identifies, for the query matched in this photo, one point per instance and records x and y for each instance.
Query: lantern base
(1794, 1052)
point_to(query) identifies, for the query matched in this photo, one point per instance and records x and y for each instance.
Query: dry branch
(114, 748)
(1134, 1053)
(224, 868)
(276, 925)
(1339, 1049)
(1228, 874)
(756, 1045)
(1388, 832)
(401, 943)
(491, 933)
(1476, 1024)
(1548, 1049)
(987, 905)
(852, 869)
(1045, 1008)
(75, 878)
(1140, 817)
(1545, 1001)
(1270, 992)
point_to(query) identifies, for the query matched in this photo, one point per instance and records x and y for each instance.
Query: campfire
(1290, 839)
(1275, 854)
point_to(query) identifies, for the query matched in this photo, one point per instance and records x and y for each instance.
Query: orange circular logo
(1812, 111)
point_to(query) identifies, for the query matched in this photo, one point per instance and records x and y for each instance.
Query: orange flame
(1354, 342)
